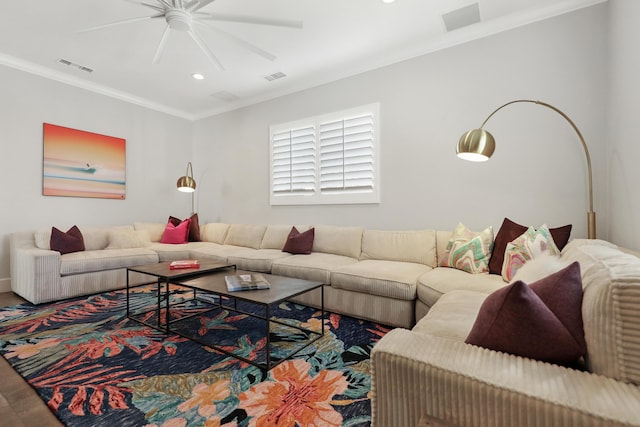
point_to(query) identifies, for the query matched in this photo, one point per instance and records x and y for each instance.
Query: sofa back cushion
(417, 246)
(246, 235)
(345, 241)
(276, 235)
(153, 229)
(95, 238)
(611, 282)
(214, 232)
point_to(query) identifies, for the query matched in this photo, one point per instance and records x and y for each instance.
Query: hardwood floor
(20, 406)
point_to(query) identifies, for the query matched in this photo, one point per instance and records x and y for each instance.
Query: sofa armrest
(417, 376)
(34, 271)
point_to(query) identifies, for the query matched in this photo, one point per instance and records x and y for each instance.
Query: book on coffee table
(184, 263)
(246, 282)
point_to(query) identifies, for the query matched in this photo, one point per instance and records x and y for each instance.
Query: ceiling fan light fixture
(179, 19)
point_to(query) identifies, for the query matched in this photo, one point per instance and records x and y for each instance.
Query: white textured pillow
(539, 267)
(125, 239)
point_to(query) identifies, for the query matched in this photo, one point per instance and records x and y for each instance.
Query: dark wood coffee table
(282, 289)
(165, 276)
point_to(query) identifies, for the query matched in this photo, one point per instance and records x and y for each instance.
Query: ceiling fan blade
(196, 5)
(126, 21)
(253, 48)
(163, 42)
(251, 20)
(201, 44)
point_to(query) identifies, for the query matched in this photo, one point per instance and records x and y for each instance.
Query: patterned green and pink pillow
(526, 247)
(469, 251)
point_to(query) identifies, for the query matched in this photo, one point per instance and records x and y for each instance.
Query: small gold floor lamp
(478, 145)
(187, 184)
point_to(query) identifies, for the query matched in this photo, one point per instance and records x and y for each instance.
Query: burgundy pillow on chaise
(509, 231)
(65, 243)
(542, 321)
(194, 227)
(299, 243)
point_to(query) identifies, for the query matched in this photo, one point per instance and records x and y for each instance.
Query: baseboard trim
(5, 285)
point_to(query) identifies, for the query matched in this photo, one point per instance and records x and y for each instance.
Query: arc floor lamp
(187, 184)
(478, 145)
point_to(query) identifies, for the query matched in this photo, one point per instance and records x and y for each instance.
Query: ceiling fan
(184, 15)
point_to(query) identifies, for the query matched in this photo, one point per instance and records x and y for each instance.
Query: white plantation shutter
(329, 159)
(293, 161)
(346, 154)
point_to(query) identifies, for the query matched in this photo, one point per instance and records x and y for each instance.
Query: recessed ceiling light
(388, 1)
(197, 76)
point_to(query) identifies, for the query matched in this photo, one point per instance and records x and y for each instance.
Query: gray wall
(537, 175)
(623, 153)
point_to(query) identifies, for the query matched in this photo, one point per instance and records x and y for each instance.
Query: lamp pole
(478, 144)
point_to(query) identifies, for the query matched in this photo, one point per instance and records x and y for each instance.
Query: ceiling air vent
(462, 17)
(275, 76)
(74, 65)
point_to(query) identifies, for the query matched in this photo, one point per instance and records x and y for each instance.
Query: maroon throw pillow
(176, 234)
(65, 243)
(299, 243)
(509, 231)
(194, 226)
(542, 321)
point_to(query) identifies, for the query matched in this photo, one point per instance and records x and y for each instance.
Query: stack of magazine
(246, 282)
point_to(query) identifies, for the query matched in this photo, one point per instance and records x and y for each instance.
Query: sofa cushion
(415, 246)
(509, 231)
(437, 282)
(541, 321)
(316, 266)
(66, 242)
(468, 251)
(154, 229)
(610, 307)
(345, 241)
(246, 235)
(126, 239)
(94, 237)
(453, 315)
(255, 259)
(172, 252)
(105, 259)
(210, 251)
(392, 279)
(275, 236)
(299, 243)
(215, 232)
(526, 247)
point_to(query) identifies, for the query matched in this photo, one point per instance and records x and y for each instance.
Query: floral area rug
(95, 367)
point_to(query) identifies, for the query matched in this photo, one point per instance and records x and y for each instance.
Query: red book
(185, 263)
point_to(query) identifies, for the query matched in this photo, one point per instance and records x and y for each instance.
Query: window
(329, 159)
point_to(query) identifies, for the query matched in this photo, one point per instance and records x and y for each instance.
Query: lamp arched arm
(573, 125)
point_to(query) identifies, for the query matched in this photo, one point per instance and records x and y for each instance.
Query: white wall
(158, 148)
(622, 136)
(537, 175)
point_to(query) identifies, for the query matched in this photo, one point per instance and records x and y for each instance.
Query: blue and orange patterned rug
(94, 367)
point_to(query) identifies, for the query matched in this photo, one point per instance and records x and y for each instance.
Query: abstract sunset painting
(82, 164)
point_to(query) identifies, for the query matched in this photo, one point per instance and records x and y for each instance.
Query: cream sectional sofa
(428, 376)
(371, 274)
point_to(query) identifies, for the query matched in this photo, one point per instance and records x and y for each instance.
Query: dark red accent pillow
(542, 321)
(176, 234)
(65, 243)
(509, 231)
(194, 226)
(299, 243)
